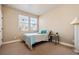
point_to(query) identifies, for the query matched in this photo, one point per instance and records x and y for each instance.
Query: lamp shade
(75, 21)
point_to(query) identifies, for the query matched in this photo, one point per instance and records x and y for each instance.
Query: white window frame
(35, 24)
(29, 24)
(22, 27)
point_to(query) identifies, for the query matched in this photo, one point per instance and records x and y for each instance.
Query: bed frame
(33, 38)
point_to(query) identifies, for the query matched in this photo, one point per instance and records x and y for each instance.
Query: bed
(32, 38)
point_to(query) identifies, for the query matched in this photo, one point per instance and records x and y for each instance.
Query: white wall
(59, 20)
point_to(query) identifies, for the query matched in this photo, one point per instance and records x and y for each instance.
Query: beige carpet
(20, 48)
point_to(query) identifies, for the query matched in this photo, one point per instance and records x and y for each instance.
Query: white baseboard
(11, 42)
(66, 44)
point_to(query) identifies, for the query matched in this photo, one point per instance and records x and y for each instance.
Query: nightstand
(54, 38)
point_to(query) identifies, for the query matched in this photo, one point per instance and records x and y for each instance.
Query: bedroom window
(23, 23)
(33, 24)
(27, 23)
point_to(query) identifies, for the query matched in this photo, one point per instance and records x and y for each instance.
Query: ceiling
(37, 9)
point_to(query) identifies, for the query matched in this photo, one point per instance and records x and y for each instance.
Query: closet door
(0, 27)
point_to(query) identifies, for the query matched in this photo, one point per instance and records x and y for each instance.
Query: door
(0, 27)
